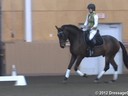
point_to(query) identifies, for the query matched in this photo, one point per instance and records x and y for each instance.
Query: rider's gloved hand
(84, 28)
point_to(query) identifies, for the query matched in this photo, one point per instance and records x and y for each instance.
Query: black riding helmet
(91, 6)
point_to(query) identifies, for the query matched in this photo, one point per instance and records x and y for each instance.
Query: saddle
(97, 39)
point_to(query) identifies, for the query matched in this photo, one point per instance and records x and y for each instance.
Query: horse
(78, 50)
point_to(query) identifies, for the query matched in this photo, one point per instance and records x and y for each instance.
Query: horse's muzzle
(62, 45)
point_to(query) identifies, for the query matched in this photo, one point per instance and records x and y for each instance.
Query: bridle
(62, 38)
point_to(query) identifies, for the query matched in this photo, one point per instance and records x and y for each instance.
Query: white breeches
(92, 34)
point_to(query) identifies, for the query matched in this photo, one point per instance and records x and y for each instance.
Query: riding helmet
(91, 6)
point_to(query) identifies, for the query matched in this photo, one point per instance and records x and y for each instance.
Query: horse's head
(63, 36)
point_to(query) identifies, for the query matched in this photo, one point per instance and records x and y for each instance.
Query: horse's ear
(57, 28)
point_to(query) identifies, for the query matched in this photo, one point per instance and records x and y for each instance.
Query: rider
(91, 24)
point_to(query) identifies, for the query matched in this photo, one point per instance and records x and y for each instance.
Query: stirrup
(91, 52)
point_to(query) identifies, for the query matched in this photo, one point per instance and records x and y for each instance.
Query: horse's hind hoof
(96, 80)
(65, 80)
(111, 81)
(85, 75)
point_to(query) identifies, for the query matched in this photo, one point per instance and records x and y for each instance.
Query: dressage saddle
(96, 41)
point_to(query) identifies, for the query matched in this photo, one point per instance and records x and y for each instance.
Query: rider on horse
(90, 25)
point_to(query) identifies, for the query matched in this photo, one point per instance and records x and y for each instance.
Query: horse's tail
(125, 56)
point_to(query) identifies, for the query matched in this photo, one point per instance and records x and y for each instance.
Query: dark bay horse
(78, 49)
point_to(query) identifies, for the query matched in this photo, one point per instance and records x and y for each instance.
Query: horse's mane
(71, 26)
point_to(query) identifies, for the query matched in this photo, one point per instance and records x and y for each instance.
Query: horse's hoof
(111, 81)
(85, 75)
(96, 80)
(65, 80)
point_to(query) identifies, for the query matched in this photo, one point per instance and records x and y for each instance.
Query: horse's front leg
(78, 61)
(72, 61)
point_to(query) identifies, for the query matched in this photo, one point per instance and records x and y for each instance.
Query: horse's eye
(59, 35)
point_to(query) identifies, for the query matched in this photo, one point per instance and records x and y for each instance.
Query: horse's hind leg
(105, 69)
(115, 66)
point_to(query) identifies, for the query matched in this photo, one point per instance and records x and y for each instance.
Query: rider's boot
(93, 42)
(91, 52)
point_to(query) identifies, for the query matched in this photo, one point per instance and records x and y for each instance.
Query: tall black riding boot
(91, 51)
(92, 44)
